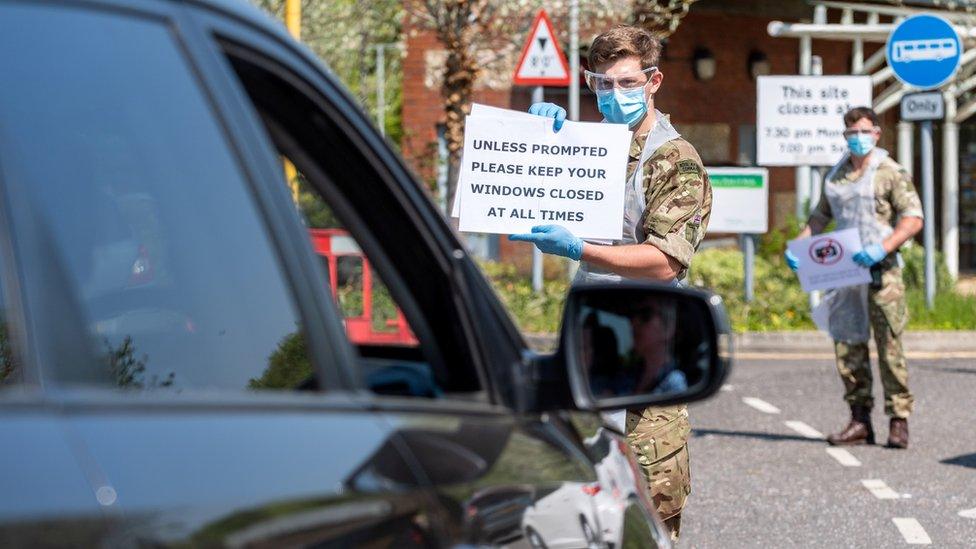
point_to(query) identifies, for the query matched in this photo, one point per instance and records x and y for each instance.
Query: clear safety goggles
(599, 82)
(851, 132)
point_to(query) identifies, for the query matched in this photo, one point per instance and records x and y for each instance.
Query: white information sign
(516, 172)
(923, 106)
(740, 198)
(477, 109)
(826, 260)
(800, 118)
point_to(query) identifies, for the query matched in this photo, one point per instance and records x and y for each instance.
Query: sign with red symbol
(826, 251)
(542, 62)
(826, 260)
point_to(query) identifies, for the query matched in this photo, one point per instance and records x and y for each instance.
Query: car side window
(113, 158)
(395, 358)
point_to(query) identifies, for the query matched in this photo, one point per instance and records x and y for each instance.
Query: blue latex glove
(870, 256)
(792, 260)
(552, 239)
(552, 111)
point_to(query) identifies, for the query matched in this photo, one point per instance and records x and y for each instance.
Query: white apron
(852, 204)
(635, 202)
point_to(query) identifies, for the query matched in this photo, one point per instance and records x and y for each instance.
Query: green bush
(778, 304)
(952, 311)
(914, 271)
(533, 313)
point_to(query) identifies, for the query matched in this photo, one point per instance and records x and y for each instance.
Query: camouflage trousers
(659, 439)
(888, 314)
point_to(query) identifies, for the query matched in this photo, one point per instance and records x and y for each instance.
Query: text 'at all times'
(527, 213)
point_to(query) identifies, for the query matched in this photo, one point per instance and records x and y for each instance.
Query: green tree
(344, 33)
(129, 369)
(288, 365)
(482, 36)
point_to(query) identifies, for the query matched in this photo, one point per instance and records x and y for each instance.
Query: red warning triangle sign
(542, 62)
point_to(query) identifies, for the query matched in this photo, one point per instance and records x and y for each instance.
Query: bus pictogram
(937, 49)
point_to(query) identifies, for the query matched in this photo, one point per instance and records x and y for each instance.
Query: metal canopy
(863, 22)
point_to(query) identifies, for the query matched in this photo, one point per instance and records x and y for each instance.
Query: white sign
(826, 260)
(478, 109)
(542, 62)
(800, 118)
(740, 197)
(923, 106)
(517, 173)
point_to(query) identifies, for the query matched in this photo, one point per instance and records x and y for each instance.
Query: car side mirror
(635, 344)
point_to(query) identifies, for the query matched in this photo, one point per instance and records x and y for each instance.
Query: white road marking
(912, 531)
(843, 457)
(880, 489)
(804, 429)
(968, 513)
(728, 387)
(760, 405)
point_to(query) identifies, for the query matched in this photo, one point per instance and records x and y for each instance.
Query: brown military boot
(898, 433)
(858, 431)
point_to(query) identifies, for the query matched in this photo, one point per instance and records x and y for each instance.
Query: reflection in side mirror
(635, 344)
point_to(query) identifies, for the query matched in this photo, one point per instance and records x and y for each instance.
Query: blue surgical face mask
(860, 144)
(623, 106)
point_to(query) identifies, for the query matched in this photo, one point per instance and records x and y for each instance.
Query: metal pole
(538, 96)
(816, 173)
(950, 186)
(293, 18)
(857, 46)
(928, 206)
(906, 149)
(749, 261)
(802, 182)
(293, 22)
(381, 88)
(574, 85)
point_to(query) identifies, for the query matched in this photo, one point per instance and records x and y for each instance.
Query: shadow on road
(965, 460)
(752, 434)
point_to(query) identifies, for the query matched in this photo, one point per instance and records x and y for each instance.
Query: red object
(359, 328)
(546, 81)
(591, 489)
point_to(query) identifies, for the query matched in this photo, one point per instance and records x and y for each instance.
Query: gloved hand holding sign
(552, 111)
(792, 260)
(870, 256)
(553, 239)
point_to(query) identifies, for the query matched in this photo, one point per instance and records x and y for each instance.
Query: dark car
(174, 370)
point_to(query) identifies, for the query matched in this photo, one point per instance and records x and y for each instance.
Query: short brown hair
(858, 113)
(625, 41)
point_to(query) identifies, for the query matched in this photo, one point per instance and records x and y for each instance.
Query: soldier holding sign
(869, 191)
(666, 209)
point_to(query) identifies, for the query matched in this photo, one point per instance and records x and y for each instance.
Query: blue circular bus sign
(924, 51)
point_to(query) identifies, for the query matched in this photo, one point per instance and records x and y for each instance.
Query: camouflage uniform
(895, 197)
(679, 202)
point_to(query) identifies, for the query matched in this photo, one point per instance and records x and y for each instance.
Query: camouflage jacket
(678, 195)
(894, 193)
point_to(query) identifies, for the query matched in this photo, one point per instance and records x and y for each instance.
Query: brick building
(715, 112)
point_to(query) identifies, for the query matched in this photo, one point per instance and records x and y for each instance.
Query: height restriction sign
(542, 62)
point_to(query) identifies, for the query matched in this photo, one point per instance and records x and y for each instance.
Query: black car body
(155, 275)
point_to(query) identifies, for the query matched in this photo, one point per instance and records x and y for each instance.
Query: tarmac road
(762, 477)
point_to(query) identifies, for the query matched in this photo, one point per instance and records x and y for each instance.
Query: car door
(485, 465)
(201, 377)
(47, 497)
